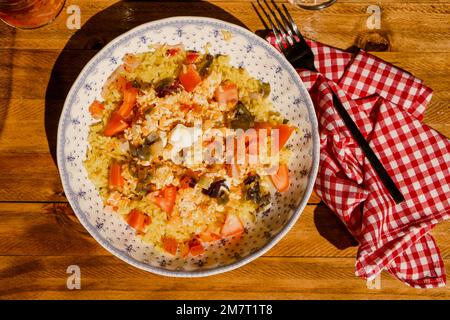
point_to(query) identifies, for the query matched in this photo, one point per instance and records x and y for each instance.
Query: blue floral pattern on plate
(263, 62)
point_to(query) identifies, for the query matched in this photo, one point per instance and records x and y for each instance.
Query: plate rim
(215, 270)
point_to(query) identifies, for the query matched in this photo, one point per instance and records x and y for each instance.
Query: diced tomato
(121, 83)
(285, 133)
(226, 94)
(263, 125)
(232, 226)
(115, 176)
(187, 107)
(184, 182)
(96, 109)
(184, 249)
(173, 51)
(189, 78)
(195, 247)
(170, 245)
(207, 236)
(281, 179)
(192, 56)
(116, 124)
(210, 234)
(138, 220)
(129, 100)
(165, 200)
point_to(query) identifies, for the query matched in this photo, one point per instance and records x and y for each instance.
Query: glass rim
(319, 6)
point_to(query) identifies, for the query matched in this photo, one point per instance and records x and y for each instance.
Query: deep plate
(289, 97)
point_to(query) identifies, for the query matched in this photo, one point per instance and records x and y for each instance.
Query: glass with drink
(29, 13)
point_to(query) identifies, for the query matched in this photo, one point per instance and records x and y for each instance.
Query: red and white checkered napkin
(388, 105)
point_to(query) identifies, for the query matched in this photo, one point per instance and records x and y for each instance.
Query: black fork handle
(371, 156)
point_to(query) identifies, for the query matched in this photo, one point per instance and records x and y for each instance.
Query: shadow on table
(332, 229)
(97, 32)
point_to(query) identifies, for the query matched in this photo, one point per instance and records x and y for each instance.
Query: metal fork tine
(284, 33)
(266, 27)
(276, 32)
(287, 24)
(282, 28)
(300, 41)
(280, 43)
(292, 23)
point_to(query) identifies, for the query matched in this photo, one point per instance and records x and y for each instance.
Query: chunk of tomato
(232, 226)
(195, 247)
(116, 124)
(170, 245)
(284, 132)
(184, 249)
(115, 176)
(189, 78)
(192, 56)
(96, 109)
(165, 200)
(173, 51)
(208, 236)
(281, 178)
(129, 100)
(138, 220)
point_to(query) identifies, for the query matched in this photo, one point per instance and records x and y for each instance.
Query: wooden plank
(339, 25)
(53, 229)
(284, 278)
(28, 177)
(24, 123)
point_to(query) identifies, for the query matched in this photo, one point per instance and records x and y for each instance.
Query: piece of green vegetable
(243, 119)
(204, 66)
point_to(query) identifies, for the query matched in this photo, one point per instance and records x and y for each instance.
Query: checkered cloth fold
(387, 105)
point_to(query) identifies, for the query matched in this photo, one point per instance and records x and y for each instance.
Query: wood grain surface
(39, 233)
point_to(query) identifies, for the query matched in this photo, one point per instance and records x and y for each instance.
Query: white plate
(289, 97)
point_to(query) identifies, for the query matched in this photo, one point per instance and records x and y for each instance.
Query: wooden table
(39, 233)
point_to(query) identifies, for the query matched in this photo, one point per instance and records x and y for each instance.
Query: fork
(295, 49)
